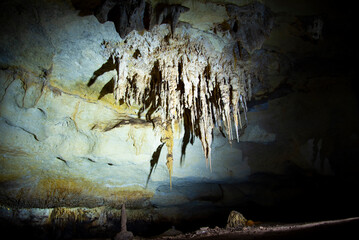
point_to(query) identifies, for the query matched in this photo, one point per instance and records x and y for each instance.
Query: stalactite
(182, 79)
(167, 138)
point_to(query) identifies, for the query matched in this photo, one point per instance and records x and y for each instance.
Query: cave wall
(59, 146)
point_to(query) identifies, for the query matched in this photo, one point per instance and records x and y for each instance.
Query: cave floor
(334, 229)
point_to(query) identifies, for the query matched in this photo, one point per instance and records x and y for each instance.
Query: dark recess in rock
(164, 13)
(250, 24)
(137, 15)
(86, 8)
(103, 11)
(127, 15)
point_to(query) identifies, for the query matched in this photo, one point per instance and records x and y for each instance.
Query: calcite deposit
(183, 74)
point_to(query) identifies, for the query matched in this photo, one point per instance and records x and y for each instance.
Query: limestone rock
(236, 220)
(164, 13)
(127, 15)
(257, 134)
(124, 235)
(102, 12)
(250, 24)
(171, 232)
(191, 83)
(138, 15)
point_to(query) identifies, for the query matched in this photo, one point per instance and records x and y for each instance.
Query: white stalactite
(193, 75)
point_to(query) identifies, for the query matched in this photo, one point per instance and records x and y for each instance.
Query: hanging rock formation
(170, 14)
(138, 15)
(192, 78)
(127, 15)
(188, 80)
(102, 12)
(183, 78)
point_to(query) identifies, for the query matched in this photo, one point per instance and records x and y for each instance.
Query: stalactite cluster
(182, 78)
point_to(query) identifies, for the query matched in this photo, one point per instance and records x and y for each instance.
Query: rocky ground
(333, 229)
(341, 229)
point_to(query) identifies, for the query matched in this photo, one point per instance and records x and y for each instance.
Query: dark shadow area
(188, 132)
(108, 88)
(147, 16)
(126, 15)
(57, 231)
(130, 15)
(117, 123)
(108, 66)
(154, 161)
(292, 199)
(151, 94)
(167, 14)
(87, 7)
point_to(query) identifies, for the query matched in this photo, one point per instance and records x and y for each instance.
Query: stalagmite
(124, 234)
(167, 138)
(123, 219)
(178, 75)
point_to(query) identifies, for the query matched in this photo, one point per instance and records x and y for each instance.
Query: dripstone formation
(180, 77)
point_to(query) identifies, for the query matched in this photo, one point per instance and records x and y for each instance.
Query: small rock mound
(236, 220)
(171, 232)
(124, 235)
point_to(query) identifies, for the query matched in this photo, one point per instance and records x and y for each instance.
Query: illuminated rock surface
(69, 151)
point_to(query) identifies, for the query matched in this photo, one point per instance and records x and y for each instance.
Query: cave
(163, 119)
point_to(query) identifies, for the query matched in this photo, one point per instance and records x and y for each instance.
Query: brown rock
(236, 220)
(124, 235)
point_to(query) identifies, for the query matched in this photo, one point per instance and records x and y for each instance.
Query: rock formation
(192, 78)
(138, 15)
(124, 234)
(127, 15)
(250, 24)
(170, 14)
(184, 77)
(236, 220)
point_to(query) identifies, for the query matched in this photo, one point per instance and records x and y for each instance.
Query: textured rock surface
(124, 234)
(67, 151)
(191, 84)
(250, 24)
(126, 15)
(236, 220)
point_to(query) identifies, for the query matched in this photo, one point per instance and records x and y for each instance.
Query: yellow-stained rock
(236, 220)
